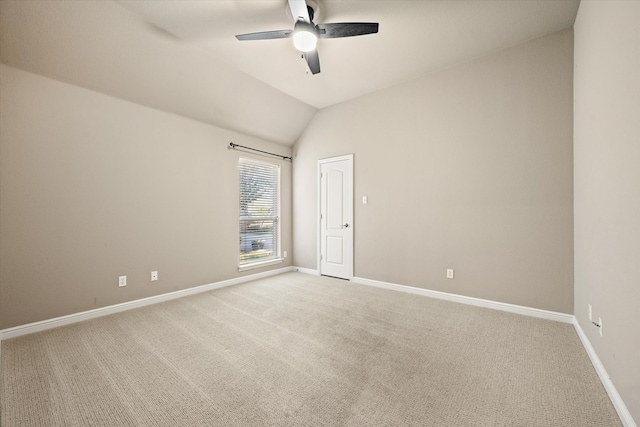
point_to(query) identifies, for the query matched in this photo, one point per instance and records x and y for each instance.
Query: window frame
(276, 258)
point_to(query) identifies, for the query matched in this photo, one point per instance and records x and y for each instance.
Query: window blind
(259, 211)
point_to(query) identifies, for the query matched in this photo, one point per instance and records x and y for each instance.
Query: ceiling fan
(305, 33)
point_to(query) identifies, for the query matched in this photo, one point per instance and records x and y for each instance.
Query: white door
(336, 217)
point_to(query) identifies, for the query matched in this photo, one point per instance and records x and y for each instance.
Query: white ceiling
(415, 37)
(182, 56)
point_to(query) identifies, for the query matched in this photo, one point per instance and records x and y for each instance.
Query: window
(259, 213)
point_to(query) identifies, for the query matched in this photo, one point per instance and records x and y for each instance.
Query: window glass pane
(259, 204)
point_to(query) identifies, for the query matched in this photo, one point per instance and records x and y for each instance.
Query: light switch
(364, 200)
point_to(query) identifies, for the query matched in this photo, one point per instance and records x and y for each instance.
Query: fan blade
(266, 35)
(313, 61)
(346, 29)
(299, 10)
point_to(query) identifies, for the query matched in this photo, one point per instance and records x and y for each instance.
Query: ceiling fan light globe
(305, 41)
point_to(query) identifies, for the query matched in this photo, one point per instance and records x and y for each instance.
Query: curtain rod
(233, 146)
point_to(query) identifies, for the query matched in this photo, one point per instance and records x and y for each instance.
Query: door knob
(346, 225)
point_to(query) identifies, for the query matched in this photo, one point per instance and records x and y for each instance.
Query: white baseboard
(511, 308)
(618, 403)
(104, 311)
(307, 271)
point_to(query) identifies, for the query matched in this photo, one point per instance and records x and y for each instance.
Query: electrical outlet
(600, 323)
(154, 276)
(590, 313)
(122, 281)
(284, 254)
(449, 273)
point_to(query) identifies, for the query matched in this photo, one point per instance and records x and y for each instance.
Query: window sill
(260, 264)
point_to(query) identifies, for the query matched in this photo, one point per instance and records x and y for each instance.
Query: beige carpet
(299, 350)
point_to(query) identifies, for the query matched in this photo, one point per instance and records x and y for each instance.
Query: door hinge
(320, 257)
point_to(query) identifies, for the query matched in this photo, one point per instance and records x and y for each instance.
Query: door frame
(319, 210)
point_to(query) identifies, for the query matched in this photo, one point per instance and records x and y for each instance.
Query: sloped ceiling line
(182, 57)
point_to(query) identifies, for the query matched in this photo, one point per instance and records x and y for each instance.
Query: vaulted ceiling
(182, 56)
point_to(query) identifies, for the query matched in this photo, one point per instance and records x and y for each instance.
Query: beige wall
(607, 187)
(93, 187)
(467, 168)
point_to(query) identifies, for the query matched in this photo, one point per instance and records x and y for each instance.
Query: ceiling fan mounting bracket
(314, 11)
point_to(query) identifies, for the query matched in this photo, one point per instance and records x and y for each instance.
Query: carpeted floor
(301, 350)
